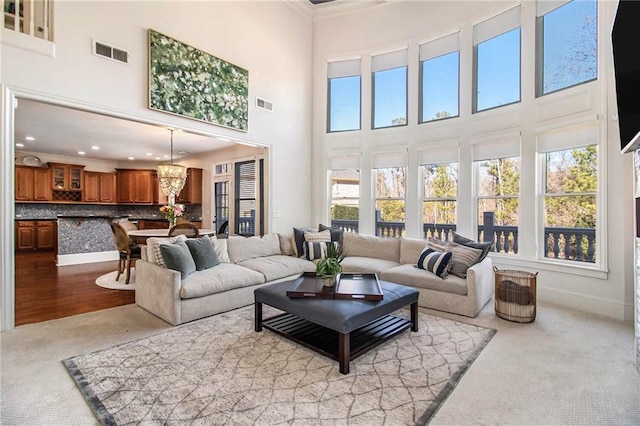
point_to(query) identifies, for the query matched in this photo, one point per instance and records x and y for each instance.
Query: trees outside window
(571, 186)
(566, 45)
(390, 187)
(498, 200)
(440, 192)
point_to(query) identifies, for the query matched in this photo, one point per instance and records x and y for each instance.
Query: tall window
(249, 190)
(439, 78)
(498, 191)
(440, 193)
(345, 199)
(390, 201)
(496, 49)
(571, 183)
(566, 44)
(343, 95)
(389, 89)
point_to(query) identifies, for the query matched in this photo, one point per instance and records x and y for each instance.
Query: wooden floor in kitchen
(45, 291)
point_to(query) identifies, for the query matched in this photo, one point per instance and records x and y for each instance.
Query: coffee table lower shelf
(342, 347)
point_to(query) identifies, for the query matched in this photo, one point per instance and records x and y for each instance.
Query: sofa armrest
(158, 291)
(480, 283)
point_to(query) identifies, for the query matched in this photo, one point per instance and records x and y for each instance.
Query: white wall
(605, 289)
(272, 40)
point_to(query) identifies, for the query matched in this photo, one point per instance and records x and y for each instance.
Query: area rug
(109, 280)
(219, 371)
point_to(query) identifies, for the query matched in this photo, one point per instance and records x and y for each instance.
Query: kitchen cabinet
(192, 191)
(137, 186)
(66, 182)
(36, 235)
(99, 188)
(153, 224)
(32, 183)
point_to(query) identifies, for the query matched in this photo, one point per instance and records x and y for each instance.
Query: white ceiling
(66, 131)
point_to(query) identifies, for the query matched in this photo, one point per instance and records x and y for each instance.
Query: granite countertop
(89, 216)
(25, 219)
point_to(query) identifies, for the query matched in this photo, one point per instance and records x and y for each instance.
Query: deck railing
(575, 244)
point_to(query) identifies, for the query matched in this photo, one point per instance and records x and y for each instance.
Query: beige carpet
(108, 280)
(218, 370)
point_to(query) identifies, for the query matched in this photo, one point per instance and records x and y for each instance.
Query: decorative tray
(349, 286)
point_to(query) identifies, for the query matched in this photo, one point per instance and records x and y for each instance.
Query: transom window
(343, 95)
(389, 89)
(439, 78)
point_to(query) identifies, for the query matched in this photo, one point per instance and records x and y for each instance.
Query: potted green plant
(329, 267)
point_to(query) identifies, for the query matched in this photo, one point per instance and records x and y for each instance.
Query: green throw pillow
(178, 257)
(203, 252)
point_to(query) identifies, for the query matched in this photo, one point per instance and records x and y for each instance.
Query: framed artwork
(189, 82)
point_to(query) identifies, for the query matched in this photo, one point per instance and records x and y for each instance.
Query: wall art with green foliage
(189, 82)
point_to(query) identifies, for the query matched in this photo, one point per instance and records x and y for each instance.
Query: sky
(567, 30)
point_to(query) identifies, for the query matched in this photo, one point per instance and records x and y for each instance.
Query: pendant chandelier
(171, 177)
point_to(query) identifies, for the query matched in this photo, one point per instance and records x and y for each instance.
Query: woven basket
(515, 295)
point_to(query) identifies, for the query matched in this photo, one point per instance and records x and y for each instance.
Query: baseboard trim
(595, 305)
(80, 258)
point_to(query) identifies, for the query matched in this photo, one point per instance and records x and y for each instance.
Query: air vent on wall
(110, 52)
(264, 104)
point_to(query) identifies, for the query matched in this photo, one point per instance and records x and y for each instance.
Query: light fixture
(171, 177)
(81, 152)
(96, 148)
(29, 138)
(20, 145)
(131, 158)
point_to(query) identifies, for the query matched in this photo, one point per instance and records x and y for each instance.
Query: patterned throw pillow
(436, 262)
(322, 236)
(155, 247)
(485, 247)
(463, 257)
(317, 250)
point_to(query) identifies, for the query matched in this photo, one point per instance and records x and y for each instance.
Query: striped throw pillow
(317, 250)
(463, 257)
(318, 236)
(436, 262)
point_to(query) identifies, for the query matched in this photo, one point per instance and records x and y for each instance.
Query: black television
(626, 60)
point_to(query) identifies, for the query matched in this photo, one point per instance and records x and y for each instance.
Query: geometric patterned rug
(218, 370)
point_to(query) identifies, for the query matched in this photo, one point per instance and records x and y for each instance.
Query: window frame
(331, 197)
(329, 115)
(376, 198)
(424, 198)
(373, 98)
(421, 90)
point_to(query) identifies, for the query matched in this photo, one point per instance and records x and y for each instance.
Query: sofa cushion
(298, 237)
(220, 245)
(177, 256)
(286, 244)
(439, 263)
(366, 264)
(241, 248)
(223, 277)
(485, 247)
(463, 257)
(419, 278)
(280, 266)
(336, 233)
(153, 247)
(203, 253)
(370, 246)
(410, 249)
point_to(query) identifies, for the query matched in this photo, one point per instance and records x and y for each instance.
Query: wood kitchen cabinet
(192, 191)
(66, 177)
(32, 183)
(99, 188)
(36, 235)
(137, 186)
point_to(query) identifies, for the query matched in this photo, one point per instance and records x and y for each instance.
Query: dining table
(143, 234)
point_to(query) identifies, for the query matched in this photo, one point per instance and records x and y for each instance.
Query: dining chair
(127, 251)
(223, 228)
(184, 228)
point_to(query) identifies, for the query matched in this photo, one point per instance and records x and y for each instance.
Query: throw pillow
(317, 236)
(298, 236)
(155, 244)
(220, 245)
(463, 257)
(317, 250)
(203, 253)
(336, 233)
(178, 257)
(436, 262)
(485, 247)
(286, 244)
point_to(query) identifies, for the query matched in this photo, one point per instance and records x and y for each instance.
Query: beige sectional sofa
(248, 263)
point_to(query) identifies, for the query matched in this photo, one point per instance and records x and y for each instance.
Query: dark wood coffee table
(339, 329)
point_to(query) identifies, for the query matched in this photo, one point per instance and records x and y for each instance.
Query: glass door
(221, 197)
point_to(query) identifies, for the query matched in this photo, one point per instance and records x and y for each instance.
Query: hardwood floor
(45, 291)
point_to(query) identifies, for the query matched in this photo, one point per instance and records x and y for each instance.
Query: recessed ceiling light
(29, 138)
(20, 145)
(80, 152)
(131, 158)
(149, 154)
(165, 156)
(95, 147)
(157, 158)
(223, 139)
